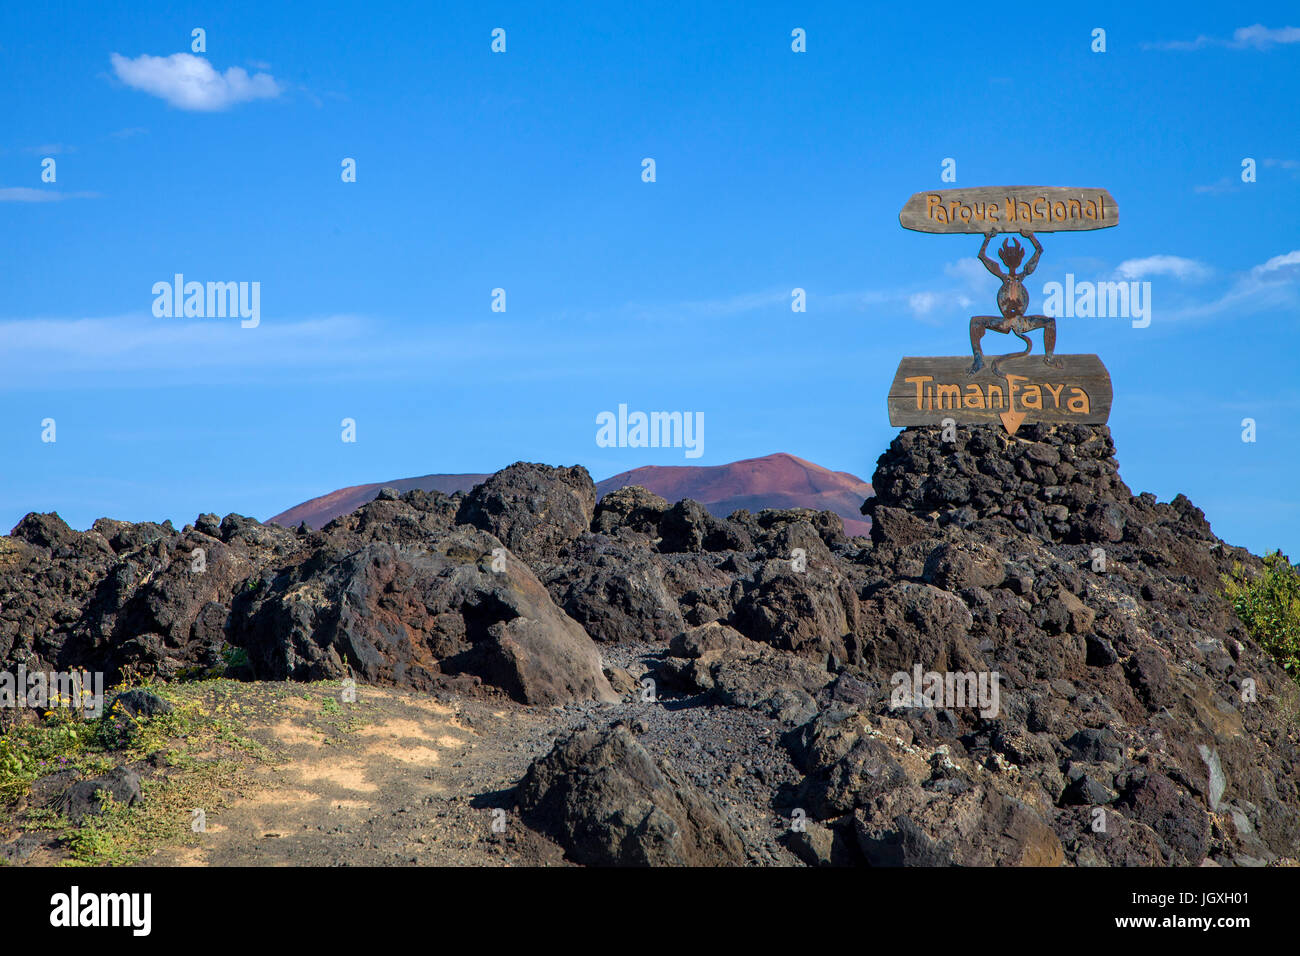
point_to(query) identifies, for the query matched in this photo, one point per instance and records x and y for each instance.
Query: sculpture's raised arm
(989, 263)
(1032, 264)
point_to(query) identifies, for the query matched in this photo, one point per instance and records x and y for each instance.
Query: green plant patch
(1268, 603)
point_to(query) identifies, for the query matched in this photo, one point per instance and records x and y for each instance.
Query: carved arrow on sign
(1012, 421)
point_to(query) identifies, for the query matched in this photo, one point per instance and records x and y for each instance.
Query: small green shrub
(1269, 605)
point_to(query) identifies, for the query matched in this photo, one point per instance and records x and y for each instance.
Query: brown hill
(318, 512)
(773, 481)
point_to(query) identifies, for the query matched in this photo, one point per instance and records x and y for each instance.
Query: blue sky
(523, 171)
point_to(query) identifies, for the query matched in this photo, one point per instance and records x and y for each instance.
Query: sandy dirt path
(395, 778)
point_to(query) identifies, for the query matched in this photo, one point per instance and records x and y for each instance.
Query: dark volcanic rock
(630, 507)
(407, 616)
(847, 764)
(809, 612)
(47, 531)
(410, 519)
(141, 703)
(1179, 821)
(534, 509)
(973, 827)
(608, 803)
(615, 589)
(953, 567)
(87, 797)
(716, 660)
(688, 526)
(125, 596)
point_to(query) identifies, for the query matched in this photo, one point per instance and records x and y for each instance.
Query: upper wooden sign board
(1010, 209)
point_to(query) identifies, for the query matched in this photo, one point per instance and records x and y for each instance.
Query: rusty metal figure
(1013, 299)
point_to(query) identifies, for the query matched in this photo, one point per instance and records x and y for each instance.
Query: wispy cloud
(922, 303)
(1292, 166)
(1283, 268)
(718, 308)
(966, 287)
(26, 194)
(189, 82)
(1273, 285)
(144, 342)
(1163, 265)
(1256, 37)
(137, 349)
(1227, 184)
(963, 281)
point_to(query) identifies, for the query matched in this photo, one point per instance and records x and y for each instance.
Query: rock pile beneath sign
(1025, 664)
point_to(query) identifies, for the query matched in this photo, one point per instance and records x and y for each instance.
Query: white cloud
(1261, 37)
(1271, 286)
(137, 349)
(190, 83)
(1176, 266)
(970, 272)
(26, 194)
(922, 303)
(142, 342)
(1226, 184)
(1281, 268)
(1257, 37)
(708, 308)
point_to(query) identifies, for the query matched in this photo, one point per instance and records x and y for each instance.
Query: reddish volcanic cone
(773, 481)
(318, 512)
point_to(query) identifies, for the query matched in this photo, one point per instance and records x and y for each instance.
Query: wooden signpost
(1010, 209)
(928, 390)
(1011, 389)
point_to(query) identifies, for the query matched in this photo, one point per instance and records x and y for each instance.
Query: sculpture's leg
(1048, 325)
(979, 324)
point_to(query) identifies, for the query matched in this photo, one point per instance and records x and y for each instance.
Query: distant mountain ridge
(773, 481)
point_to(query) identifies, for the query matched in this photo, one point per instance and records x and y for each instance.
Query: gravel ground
(733, 755)
(402, 778)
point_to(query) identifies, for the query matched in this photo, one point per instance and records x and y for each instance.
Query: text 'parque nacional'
(1010, 209)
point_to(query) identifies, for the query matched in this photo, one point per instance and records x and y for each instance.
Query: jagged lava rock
(407, 615)
(534, 509)
(609, 804)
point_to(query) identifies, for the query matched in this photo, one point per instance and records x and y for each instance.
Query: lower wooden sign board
(928, 390)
